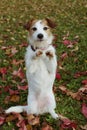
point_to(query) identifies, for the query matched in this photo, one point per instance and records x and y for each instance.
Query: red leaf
(78, 74)
(22, 87)
(58, 76)
(3, 70)
(66, 123)
(2, 120)
(21, 122)
(66, 42)
(19, 73)
(84, 109)
(6, 89)
(13, 92)
(64, 55)
(84, 82)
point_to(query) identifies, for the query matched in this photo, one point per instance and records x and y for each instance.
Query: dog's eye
(34, 28)
(45, 28)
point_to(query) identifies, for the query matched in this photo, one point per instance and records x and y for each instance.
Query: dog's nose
(40, 36)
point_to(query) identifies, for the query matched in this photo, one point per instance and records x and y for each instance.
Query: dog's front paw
(49, 54)
(39, 53)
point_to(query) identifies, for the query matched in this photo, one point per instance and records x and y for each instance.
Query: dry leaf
(10, 118)
(83, 127)
(32, 120)
(45, 126)
(2, 120)
(14, 98)
(29, 127)
(84, 109)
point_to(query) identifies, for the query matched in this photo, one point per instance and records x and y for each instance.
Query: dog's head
(40, 31)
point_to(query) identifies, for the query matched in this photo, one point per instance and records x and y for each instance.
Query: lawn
(70, 86)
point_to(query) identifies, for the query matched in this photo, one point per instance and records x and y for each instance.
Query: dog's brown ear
(51, 23)
(28, 24)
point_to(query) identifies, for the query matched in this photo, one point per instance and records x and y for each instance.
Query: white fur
(40, 72)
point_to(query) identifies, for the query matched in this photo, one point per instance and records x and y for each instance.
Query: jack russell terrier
(41, 64)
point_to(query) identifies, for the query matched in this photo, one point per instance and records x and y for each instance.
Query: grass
(71, 16)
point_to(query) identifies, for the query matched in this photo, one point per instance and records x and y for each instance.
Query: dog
(41, 64)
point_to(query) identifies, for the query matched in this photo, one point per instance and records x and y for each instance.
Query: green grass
(70, 16)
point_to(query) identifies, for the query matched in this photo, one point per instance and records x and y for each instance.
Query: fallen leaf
(32, 120)
(63, 88)
(84, 109)
(6, 89)
(3, 70)
(2, 120)
(22, 87)
(67, 123)
(58, 76)
(68, 92)
(66, 42)
(78, 74)
(14, 50)
(45, 126)
(24, 44)
(64, 55)
(83, 127)
(14, 98)
(19, 73)
(29, 127)
(21, 122)
(7, 99)
(84, 82)
(13, 92)
(75, 49)
(10, 118)
(15, 62)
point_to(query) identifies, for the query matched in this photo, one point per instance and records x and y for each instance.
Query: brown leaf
(10, 118)
(15, 62)
(14, 98)
(83, 127)
(69, 93)
(45, 126)
(63, 88)
(29, 127)
(32, 120)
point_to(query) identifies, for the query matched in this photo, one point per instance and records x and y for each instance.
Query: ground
(71, 49)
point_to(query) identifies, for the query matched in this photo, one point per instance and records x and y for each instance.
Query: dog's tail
(16, 109)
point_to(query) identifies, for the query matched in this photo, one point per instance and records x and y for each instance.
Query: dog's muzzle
(40, 36)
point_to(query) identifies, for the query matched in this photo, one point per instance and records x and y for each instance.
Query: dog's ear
(51, 23)
(28, 24)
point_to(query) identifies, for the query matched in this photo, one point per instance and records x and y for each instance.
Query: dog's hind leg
(17, 109)
(53, 114)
